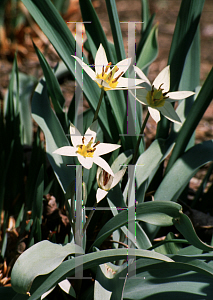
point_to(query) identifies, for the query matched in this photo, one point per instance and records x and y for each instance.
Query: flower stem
(89, 218)
(139, 138)
(99, 105)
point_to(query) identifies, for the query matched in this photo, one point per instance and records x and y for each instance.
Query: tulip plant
(128, 236)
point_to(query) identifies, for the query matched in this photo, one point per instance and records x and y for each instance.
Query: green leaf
(53, 88)
(139, 237)
(184, 225)
(149, 212)
(150, 160)
(42, 259)
(196, 112)
(170, 281)
(94, 27)
(116, 98)
(149, 51)
(116, 29)
(185, 29)
(54, 135)
(183, 170)
(38, 196)
(67, 268)
(109, 282)
(54, 27)
(26, 88)
(145, 15)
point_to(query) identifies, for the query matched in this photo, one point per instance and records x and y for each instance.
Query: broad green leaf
(149, 51)
(164, 282)
(183, 170)
(184, 225)
(67, 268)
(54, 135)
(169, 246)
(150, 160)
(138, 237)
(150, 212)
(42, 259)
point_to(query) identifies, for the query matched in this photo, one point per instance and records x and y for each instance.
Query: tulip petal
(179, 95)
(163, 77)
(86, 68)
(118, 177)
(100, 194)
(141, 96)
(98, 174)
(103, 164)
(104, 148)
(128, 82)
(154, 114)
(100, 60)
(66, 151)
(75, 135)
(168, 111)
(140, 73)
(123, 65)
(91, 132)
(86, 162)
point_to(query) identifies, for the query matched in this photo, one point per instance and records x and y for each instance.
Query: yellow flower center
(87, 150)
(109, 78)
(156, 97)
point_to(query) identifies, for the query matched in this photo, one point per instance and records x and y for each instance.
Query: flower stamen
(106, 177)
(107, 67)
(87, 150)
(116, 79)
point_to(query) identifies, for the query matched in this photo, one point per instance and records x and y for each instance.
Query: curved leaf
(184, 225)
(166, 281)
(195, 114)
(42, 259)
(54, 135)
(149, 212)
(116, 29)
(182, 171)
(149, 51)
(67, 268)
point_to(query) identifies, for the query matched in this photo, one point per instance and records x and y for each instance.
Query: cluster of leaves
(41, 267)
